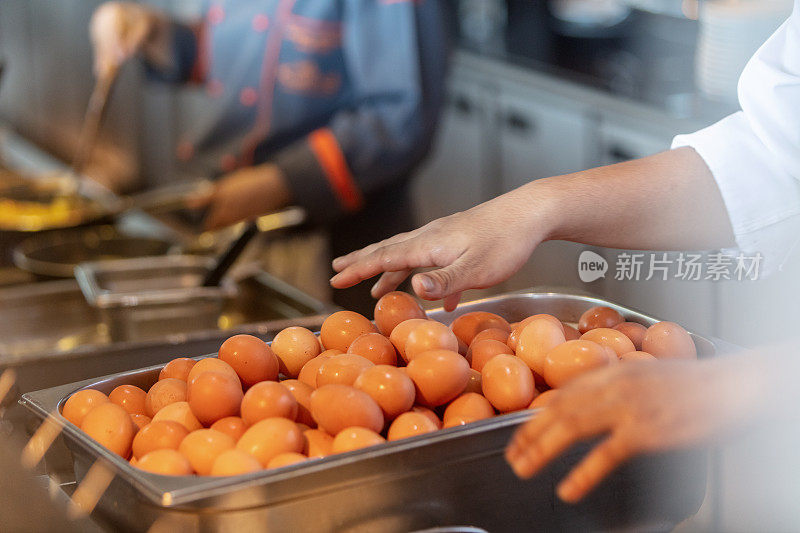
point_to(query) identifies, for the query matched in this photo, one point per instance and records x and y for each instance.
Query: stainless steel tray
(452, 477)
(142, 297)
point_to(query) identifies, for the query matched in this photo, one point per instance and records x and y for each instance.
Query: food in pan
(358, 385)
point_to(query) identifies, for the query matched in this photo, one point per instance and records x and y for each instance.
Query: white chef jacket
(754, 154)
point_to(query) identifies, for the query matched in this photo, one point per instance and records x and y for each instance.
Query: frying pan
(55, 254)
(30, 205)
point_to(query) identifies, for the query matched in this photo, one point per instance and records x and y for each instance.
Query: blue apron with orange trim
(342, 95)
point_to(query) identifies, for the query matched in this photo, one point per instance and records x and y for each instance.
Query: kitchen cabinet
(541, 136)
(617, 142)
(452, 178)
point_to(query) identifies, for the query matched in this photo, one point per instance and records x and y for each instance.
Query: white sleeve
(754, 154)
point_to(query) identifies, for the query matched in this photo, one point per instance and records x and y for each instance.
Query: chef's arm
(666, 201)
(171, 50)
(735, 183)
(395, 71)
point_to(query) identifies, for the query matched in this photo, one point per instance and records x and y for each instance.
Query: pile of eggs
(359, 384)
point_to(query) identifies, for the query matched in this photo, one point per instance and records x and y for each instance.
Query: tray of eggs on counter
(395, 419)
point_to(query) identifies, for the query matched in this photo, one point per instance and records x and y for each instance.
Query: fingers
(601, 461)
(388, 282)
(200, 200)
(402, 256)
(451, 302)
(340, 263)
(536, 452)
(447, 282)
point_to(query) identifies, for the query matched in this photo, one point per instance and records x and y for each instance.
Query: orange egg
(514, 335)
(394, 308)
(308, 374)
(80, 403)
(432, 416)
(234, 462)
(611, 338)
(214, 395)
(271, 437)
(202, 447)
(481, 351)
(130, 398)
(251, 358)
(177, 368)
(301, 393)
(165, 462)
(637, 356)
(634, 331)
(286, 459)
(390, 387)
(599, 317)
(543, 399)
(572, 359)
(536, 340)
(179, 412)
(401, 332)
(268, 399)
(342, 369)
(508, 383)
(212, 364)
(410, 424)
(355, 438)
(317, 443)
(668, 340)
(140, 421)
(474, 383)
(468, 325)
(232, 426)
(295, 346)
(336, 407)
(343, 327)
(110, 425)
(467, 408)
(429, 335)
(439, 376)
(495, 334)
(570, 333)
(158, 435)
(376, 348)
(163, 393)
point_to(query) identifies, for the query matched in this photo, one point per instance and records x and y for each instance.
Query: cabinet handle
(519, 123)
(618, 153)
(463, 105)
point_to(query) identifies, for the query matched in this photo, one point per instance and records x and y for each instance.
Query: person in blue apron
(325, 104)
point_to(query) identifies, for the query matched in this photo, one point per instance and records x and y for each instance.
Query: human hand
(120, 30)
(642, 407)
(477, 248)
(243, 194)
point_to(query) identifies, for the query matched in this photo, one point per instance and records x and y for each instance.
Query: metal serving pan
(141, 297)
(452, 477)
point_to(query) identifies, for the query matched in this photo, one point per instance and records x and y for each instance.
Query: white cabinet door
(451, 179)
(539, 137)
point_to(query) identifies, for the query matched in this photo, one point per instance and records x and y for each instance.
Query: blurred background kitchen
(535, 88)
